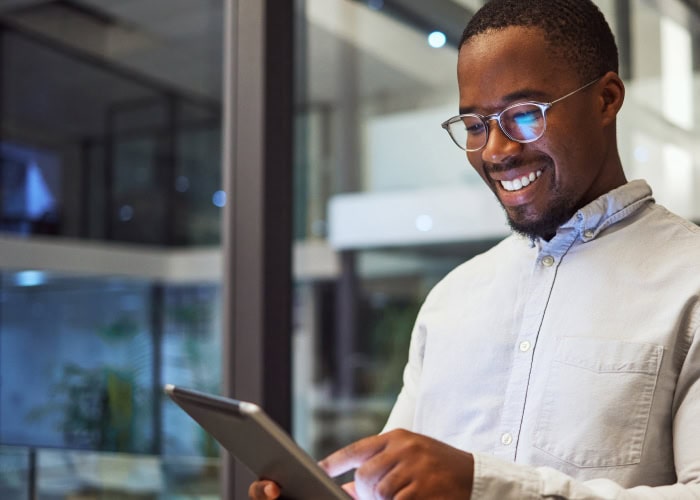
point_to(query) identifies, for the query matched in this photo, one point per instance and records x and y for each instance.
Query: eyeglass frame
(485, 119)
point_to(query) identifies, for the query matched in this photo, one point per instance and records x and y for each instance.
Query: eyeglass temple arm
(574, 91)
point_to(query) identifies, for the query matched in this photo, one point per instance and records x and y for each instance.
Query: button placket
(536, 291)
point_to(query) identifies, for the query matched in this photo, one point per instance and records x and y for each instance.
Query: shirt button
(506, 439)
(588, 233)
(524, 346)
(548, 261)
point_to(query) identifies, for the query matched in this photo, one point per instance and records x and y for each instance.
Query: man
(565, 361)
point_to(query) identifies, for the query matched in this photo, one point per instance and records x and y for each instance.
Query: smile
(524, 181)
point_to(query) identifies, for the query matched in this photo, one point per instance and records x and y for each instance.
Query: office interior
(114, 243)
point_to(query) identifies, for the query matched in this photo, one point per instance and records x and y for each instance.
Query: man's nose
(499, 147)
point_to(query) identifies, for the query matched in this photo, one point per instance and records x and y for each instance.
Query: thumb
(271, 490)
(350, 489)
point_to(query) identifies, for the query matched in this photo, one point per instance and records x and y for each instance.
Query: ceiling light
(30, 278)
(437, 39)
(219, 199)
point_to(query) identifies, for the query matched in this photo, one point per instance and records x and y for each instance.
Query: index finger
(353, 455)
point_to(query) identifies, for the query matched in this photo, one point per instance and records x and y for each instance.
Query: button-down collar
(601, 213)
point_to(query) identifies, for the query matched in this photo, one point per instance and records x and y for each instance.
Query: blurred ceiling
(178, 43)
(79, 59)
(135, 49)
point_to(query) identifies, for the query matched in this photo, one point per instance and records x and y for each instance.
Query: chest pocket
(597, 402)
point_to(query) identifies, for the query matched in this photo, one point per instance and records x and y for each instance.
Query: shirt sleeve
(495, 479)
(404, 409)
(401, 416)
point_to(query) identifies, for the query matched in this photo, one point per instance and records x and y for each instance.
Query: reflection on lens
(524, 122)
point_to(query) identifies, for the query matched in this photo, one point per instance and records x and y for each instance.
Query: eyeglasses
(522, 122)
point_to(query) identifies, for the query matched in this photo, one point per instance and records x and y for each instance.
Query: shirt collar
(604, 211)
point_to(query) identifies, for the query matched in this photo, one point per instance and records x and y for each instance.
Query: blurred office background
(112, 266)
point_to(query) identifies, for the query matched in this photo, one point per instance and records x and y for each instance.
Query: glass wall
(110, 206)
(399, 205)
(385, 192)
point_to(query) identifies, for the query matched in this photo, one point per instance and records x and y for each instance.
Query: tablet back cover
(258, 442)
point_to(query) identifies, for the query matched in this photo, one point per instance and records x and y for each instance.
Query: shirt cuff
(495, 479)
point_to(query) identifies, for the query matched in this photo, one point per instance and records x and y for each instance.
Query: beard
(560, 210)
(560, 207)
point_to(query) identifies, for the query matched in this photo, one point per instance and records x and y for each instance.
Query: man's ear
(612, 95)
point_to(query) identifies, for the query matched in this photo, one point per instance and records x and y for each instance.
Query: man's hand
(402, 465)
(263, 490)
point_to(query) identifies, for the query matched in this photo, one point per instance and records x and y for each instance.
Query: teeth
(522, 182)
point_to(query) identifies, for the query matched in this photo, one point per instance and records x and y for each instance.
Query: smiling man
(547, 145)
(565, 361)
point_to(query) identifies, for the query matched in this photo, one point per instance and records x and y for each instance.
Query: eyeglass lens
(523, 122)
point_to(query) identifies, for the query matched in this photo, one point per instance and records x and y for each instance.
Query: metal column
(257, 157)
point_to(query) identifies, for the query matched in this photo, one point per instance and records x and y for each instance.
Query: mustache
(517, 162)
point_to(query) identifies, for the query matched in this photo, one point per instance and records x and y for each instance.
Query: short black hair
(575, 29)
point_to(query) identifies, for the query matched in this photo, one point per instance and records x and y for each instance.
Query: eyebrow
(512, 98)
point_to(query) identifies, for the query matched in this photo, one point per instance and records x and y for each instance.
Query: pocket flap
(609, 356)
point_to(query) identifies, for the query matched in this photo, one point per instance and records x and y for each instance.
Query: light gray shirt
(570, 368)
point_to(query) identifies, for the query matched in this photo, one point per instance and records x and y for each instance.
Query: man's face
(515, 64)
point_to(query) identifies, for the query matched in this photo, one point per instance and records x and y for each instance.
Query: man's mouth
(520, 182)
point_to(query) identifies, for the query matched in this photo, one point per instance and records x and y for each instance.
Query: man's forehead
(510, 43)
(508, 64)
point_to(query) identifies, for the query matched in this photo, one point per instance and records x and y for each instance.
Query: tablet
(258, 443)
